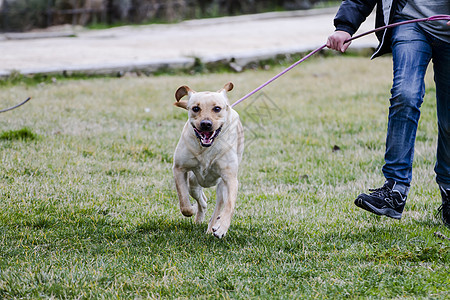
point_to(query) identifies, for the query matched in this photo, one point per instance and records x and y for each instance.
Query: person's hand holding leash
(336, 41)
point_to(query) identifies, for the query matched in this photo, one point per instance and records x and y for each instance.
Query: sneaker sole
(388, 212)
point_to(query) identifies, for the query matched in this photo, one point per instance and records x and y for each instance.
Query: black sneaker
(383, 201)
(444, 209)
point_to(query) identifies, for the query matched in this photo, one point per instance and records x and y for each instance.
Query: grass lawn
(88, 206)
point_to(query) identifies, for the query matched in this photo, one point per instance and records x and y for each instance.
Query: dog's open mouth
(207, 137)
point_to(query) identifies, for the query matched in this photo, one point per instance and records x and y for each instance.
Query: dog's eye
(217, 109)
(196, 109)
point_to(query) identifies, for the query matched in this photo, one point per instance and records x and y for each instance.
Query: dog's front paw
(212, 222)
(220, 228)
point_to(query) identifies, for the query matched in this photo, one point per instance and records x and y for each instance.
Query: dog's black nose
(206, 125)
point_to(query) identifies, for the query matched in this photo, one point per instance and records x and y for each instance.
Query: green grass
(88, 206)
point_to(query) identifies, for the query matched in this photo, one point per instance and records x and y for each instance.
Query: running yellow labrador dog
(208, 153)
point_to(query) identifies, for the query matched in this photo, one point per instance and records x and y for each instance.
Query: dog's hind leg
(181, 183)
(196, 192)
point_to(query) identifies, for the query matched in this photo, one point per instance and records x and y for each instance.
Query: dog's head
(208, 111)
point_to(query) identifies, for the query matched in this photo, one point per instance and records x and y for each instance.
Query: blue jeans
(412, 51)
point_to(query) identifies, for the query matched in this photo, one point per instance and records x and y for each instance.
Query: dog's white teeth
(206, 138)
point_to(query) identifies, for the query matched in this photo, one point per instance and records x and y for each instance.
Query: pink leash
(433, 18)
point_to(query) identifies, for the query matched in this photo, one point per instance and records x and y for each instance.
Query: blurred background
(25, 15)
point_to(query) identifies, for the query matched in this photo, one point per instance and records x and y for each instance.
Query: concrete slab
(151, 47)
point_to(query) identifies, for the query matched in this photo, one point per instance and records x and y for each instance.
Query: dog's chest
(207, 171)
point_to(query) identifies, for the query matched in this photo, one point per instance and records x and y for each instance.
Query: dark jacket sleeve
(352, 13)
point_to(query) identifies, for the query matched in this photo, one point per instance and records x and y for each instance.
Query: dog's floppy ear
(226, 88)
(180, 93)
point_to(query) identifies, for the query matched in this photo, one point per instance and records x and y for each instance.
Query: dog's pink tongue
(207, 134)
